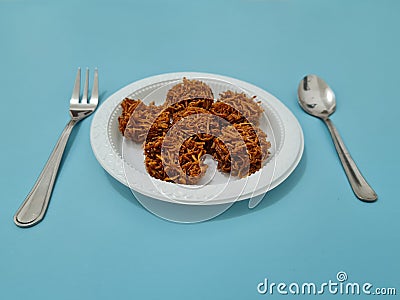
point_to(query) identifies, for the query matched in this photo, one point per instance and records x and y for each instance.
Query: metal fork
(35, 205)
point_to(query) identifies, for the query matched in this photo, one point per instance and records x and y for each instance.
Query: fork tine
(86, 87)
(77, 87)
(94, 98)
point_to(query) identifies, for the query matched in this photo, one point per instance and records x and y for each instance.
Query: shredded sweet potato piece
(177, 134)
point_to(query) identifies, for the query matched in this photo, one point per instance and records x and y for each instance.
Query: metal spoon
(317, 99)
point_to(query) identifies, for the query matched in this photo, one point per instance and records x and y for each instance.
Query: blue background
(97, 242)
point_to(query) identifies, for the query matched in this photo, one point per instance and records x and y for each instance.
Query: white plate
(282, 128)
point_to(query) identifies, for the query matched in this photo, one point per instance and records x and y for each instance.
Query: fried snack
(173, 161)
(227, 112)
(190, 124)
(189, 93)
(128, 107)
(247, 107)
(139, 121)
(241, 149)
(197, 123)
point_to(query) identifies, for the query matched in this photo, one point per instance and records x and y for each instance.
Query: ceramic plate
(110, 148)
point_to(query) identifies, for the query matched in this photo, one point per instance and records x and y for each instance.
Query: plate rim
(113, 164)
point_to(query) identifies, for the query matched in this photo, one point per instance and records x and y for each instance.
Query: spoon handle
(360, 186)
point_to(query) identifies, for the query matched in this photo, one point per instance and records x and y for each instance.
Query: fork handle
(35, 205)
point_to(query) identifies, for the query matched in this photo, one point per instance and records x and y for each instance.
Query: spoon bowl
(316, 97)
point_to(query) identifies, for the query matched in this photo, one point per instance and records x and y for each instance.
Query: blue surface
(97, 242)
